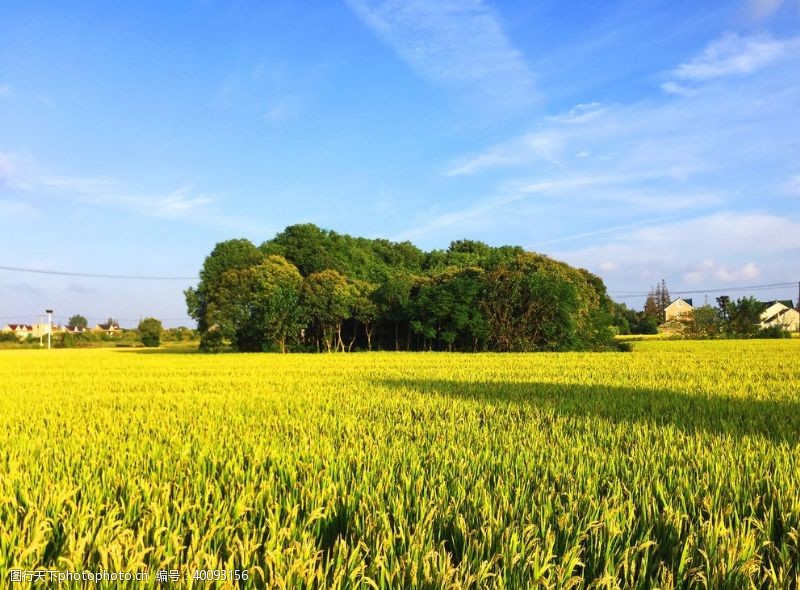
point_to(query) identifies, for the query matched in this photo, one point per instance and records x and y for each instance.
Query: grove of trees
(310, 289)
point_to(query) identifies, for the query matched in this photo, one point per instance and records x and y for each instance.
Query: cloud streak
(22, 175)
(735, 55)
(727, 247)
(453, 42)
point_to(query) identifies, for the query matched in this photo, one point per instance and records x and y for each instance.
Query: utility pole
(49, 313)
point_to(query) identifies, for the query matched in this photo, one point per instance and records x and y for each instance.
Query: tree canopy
(150, 331)
(315, 289)
(78, 321)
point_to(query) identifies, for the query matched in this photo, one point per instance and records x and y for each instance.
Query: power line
(95, 275)
(707, 290)
(91, 318)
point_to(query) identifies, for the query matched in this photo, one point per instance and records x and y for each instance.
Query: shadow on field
(777, 420)
(169, 350)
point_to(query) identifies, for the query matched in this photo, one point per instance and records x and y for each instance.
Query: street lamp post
(49, 313)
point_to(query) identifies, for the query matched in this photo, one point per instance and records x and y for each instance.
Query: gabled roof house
(680, 308)
(780, 313)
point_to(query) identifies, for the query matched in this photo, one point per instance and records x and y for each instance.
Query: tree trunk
(339, 337)
(353, 339)
(368, 334)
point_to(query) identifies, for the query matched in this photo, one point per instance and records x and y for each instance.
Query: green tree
(313, 249)
(744, 317)
(446, 309)
(364, 310)
(532, 304)
(658, 299)
(663, 299)
(377, 292)
(150, 330)
(327, 298)
(393, 297)
(704, 322)
(722, 308)
(226, 256)
(622, 318)
(651, 305)
(258, 308)
(647, 325)
(78, 321)
(305, 245)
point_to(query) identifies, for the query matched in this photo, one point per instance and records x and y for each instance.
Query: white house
(109, 328)
(679, 309)
(22, 331)
(19, 330)
(780, 313)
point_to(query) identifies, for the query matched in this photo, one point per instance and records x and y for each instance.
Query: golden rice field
(675, 466)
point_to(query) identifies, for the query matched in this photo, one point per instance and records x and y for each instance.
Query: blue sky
(640, 140)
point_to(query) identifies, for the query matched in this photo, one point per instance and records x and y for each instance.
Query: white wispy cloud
(710, 270)
(580, 113)
(20, 173)
(673, 87)
(732, 54)
(545, 145)
(575, 192)
(653, 188)
(458, 42)
(724, 247)
(605, 265)
(182, 203)
(682, 138)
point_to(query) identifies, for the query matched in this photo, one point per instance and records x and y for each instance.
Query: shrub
(212, 341)
(773, 332)
(150, 330)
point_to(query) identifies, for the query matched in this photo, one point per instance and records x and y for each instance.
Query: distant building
(680, 309)
(109, 328)
(780, 313)
(73, 330)
(22, 331)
